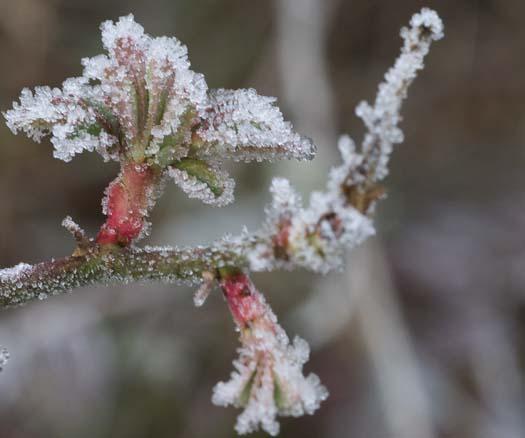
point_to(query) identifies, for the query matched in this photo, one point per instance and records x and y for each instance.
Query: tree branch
(312, 237)
(25, 283)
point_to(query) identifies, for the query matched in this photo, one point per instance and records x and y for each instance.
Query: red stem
(245, 302)
(127, 199)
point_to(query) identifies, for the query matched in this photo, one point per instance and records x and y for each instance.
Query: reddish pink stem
(245, 302)
(127, 204)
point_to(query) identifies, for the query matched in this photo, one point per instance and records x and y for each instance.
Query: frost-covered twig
(382, 119)
(141, 105)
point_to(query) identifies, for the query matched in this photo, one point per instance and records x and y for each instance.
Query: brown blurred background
(422, 336)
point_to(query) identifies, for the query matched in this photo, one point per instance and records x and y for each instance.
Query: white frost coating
(316, 237)
(383, 118)
(204, 290)
(147, 81)
(320, 234)
(285, 200)
(268, 380)
(4, 357)
(346, 173)
(141, 101)
(142, 87)
(64, 114)
(69, 224)
(195, 188)
(15, 273)
(125, 29)
(245, 126)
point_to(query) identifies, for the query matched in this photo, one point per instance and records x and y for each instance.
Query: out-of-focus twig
(387, 340)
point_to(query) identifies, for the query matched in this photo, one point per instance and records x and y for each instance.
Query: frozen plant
(268, 379)
(141, 105)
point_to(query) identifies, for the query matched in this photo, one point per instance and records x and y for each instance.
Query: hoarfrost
(219, 195)
(317, 236)
(204, 290)
(66, 115)
(268, 380)
(244, 126)
(382, 119)
(141, 102)
(15, 273)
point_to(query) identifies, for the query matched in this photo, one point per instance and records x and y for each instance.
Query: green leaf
(203, 172)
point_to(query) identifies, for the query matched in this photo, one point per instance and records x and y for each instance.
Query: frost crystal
(320, 234)
(244, 126)
(15, 273)
(218, 194)
(315, 237)
(268, 380)
(141, 102)
(337, 219)
(382, 119)
(204, 290)
(67, 115)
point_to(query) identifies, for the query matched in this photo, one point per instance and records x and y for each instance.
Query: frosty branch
(141, 105)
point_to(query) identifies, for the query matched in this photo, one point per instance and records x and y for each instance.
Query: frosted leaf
(179, 94)
(140, 102)
(125, 32)
(382, 119)
(209, 184)
(149, 86)
(141, 96)
(4, 357)
(268, 380)
(243, 126)
(67, 115)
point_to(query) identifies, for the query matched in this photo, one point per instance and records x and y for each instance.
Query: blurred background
(422, 336)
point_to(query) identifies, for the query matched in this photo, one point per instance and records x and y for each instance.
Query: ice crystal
(317, 236)
(147, 84)
(347, 173)
(204, 290)
(141, 102)
(268, 380)
(195, 186)
(244, 126)
(4, 357)
(15, 273)
(285, 201)
(320, 234)
(382, 119)
(68, 115)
